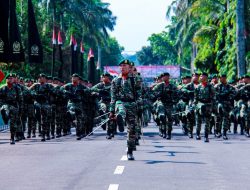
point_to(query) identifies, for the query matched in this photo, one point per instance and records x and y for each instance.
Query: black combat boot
(247, 132)
(198, 136)
(12, 139)
(190, 133)
(29, 135)
(164, 133)
(160, 132)
(225, 134)
(206, 137)
(120, 123)
(43, 138)
(109, 135)
(169, 135)
(235, 128)
(130, 154)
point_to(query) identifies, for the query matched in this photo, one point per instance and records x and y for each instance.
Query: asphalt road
(95, 163)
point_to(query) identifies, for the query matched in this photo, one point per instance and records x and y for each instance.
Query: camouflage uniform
(103, 91)
(204, 97)
(11, 106)
(125, 96)
(225, 94)
(75, 96)
(42, 106)
(244, 96)
(188, 93)
(167, 95)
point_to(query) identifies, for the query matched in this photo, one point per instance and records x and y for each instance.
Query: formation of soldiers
(51, 108)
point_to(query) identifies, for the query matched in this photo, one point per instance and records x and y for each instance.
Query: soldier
(103, 91)
(11, 105)
(244, 99)
(42, 91)
(188, 92)
(225, 94)
(167, 94)
(75, 93)
(125, 96)
(204, 98)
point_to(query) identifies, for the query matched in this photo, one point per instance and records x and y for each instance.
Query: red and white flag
(91, 54)
(54, 36)
(59, 38)
(81, 47)
(73, 42)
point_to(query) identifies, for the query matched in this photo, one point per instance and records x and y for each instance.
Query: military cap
(106, 75)
(42, 75)
(56, 78)
(223, 75)
(27, 80)
(125, 61)
(165, 74)
(195, 74)
(75, 75)
(183, 77)
(132, 63)
(214, 76)
(21, 78)
(9, 75)
(204, 73)
(49, 77)
(246, 76)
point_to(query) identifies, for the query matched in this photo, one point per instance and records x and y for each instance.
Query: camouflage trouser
(164, 112)
(104, 107)
(31, 119)
(13, 118)
(203, 111)
(245, 115)
(181, 107)
(127, 110)
(52, 119)
(222, 117)
(60, 117)
(190, 114)
(44, 111)
(76, 112)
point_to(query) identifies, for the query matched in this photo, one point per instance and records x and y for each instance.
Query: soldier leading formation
(51, 108)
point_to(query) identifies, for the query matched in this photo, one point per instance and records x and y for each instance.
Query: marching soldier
(11, 105)
(225, 94)
(167, 94)
(75, 93)
(204, 97)
(125, 96)
(42, 91)
(103, 91)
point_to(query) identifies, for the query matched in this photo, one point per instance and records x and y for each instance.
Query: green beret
(9, 75)
(42, 75)
(223, 75)
(197, 74)
(204, 73)
(246, 76)
(106, 75)
(132, 63)
(75, 75)
(214, 76)
(56, 78)
(165, 74)
(125, 61)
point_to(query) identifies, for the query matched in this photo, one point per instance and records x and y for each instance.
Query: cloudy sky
(137, 20)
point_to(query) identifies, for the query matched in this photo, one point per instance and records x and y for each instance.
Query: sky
(137, 20)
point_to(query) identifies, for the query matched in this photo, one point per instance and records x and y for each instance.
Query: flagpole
(60, 72)
(53, 52)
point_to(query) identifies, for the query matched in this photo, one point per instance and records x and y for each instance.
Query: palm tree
(240, 38)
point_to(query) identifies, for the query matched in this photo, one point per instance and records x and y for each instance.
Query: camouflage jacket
(103, 91)
(128, 90)
(204, 94)
(11, 96)
(168, 94)
(225, 93)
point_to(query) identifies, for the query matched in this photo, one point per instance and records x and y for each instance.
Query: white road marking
(113, 187)
(119, 169)
(124, 158)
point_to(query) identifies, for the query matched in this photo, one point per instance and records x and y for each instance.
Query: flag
(4, 40)
(59, 38)
(81, 47)
(73, 45)
(35, 49)
(54, 36)
(91, 66)
(1, 75)
(113, 72)
(91, 54)
(16, 48)
(73, 42)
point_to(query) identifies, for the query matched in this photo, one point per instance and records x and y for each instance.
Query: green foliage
(88, 20)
